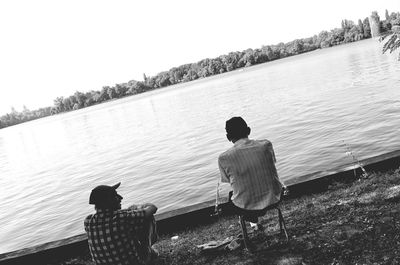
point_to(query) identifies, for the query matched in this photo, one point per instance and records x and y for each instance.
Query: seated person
(249, 167)
(120, 236)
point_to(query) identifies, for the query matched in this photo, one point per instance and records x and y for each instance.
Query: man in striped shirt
(120, 236)
(249, 167)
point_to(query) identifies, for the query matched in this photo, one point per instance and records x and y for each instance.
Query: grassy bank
(356, 223)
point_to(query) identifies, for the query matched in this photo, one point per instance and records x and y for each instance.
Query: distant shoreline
(349, 32)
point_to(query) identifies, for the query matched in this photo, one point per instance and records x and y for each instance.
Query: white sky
(53, 48)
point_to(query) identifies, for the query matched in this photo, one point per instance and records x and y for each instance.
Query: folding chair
(282, 225)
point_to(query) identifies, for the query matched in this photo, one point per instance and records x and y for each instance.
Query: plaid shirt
(112, 236)
(249, 166)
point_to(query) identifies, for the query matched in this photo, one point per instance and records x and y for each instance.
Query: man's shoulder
(226, 153)
(234, 149)
(89, 217)
(263, 141)
(87, 222)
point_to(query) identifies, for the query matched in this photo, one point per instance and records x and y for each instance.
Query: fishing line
(217, 199)
(355, 161)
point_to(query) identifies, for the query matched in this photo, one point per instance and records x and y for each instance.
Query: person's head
(236, 128)
(106, 197)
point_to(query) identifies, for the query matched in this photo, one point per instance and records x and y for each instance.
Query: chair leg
(282, 224)
(244, 232)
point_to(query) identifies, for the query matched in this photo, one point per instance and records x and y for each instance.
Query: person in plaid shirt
(120, 236)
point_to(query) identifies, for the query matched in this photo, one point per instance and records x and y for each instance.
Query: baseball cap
(103, 194)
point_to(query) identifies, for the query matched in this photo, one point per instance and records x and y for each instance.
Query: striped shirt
(112, 236)
(249, 166)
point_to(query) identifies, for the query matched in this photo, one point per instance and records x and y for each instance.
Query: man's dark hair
(236, 128)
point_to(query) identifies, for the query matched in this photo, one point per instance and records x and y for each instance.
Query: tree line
(348, 32)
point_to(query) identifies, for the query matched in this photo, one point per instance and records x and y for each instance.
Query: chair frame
(282, 227)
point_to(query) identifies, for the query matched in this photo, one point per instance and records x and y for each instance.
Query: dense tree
(136, 87)
(394, 16)
(291, 48)
(324, 39)
(176, 74)
(121, 89)
(103, 94)
(375, 16)
(269, 53)
(347, 24)
(68, 105)
(392, 38)
(59, 104)
(80, 100)
(190, 75)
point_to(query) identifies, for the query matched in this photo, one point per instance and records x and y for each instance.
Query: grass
(356, 223)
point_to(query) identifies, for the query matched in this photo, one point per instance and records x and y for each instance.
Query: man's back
(249, 166)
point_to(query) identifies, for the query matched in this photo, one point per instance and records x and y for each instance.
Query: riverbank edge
(200, 213)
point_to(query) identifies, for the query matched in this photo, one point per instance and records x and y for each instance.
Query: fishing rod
(355, 161)
(217, 210)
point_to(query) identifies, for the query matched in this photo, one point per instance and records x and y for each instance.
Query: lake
(163, 145)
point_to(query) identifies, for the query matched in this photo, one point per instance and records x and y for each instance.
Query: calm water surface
(163, 145)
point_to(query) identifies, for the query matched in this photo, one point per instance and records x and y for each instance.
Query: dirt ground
(357, 223)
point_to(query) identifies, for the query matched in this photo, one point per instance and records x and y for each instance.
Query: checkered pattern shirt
(112, 236)
(249, 166)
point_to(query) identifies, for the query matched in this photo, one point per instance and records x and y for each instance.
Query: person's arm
(133, 207)
(224, 176)
(87, 223)
(271, 150)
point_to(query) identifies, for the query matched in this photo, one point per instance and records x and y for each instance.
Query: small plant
(356, 162)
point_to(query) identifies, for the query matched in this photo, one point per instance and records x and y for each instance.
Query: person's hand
(133, 207)
(149, 209)
(147, 205)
